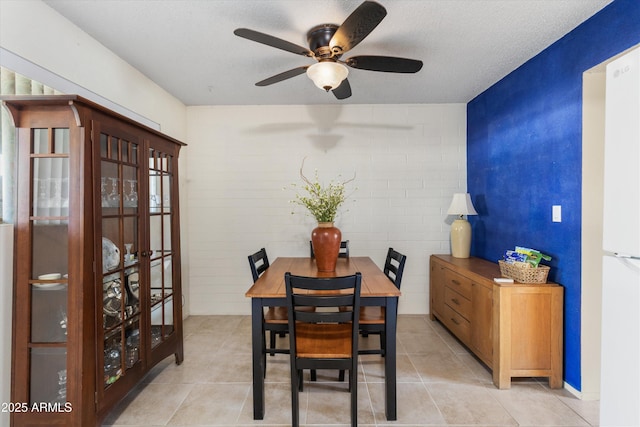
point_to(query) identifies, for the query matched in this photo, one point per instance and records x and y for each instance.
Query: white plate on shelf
(49, 286)
(110, 255)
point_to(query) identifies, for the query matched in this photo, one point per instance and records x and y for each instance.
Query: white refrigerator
(620, 370)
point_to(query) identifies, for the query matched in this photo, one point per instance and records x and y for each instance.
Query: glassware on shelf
(112, 364)
(103, 192)
(114, 196)
(156, 335)
(131, 198)
(129, 257)
(62, 386)
(132, 352)
(63, 321)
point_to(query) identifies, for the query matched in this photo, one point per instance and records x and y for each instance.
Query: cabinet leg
(503, 382)
(555, 381)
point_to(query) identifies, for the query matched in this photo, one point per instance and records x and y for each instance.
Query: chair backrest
(329, 296)
(394, 266)
(258, 262)
(344, 249)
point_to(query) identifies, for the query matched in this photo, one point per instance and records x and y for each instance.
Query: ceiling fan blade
(272, 41)
(343, 91)
(357, 26)
(283, 76)
(389, 64)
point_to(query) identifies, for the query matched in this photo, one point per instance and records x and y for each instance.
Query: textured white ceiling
(188, 46)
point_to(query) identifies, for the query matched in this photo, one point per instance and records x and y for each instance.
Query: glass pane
(162, 317)
(156, 280)
(166, 193)
(126, 145)
(49, 250)
(111, 244)
(41, 141)
(49, 311)
(166, 231)
(134, 154)
(155, 195)
(104, 146)
(132, 289)
(112, 300)
(130, 241)
(155, 235)
(50, 187)
(110, 187)
(61, 141)
(132, 343)
(168, 274)
(48, 375)
(130, 188)
(113, 149)
(113, 357)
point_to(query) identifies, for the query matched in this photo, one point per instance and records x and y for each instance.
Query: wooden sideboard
(514, 328)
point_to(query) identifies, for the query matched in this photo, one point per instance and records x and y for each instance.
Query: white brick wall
(408, 161)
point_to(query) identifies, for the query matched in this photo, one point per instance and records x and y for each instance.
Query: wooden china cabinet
(97, 291)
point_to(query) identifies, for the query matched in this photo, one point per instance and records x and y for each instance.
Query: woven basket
(523, 272)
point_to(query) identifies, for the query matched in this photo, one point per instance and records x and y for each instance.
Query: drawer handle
(455, 282)
(455, 321)
(455, 301)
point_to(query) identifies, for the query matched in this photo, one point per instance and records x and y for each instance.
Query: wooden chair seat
(323, 341)
(276, 315)
(372, 315)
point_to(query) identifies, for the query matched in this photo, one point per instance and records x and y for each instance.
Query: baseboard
(580, 395)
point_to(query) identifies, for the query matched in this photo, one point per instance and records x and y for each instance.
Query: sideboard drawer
(458, 283)
(458, 303)
(458, 324)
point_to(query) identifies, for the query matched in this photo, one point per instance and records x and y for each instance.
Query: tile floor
(439, 384)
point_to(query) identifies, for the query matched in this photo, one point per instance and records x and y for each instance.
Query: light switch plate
(556, 213)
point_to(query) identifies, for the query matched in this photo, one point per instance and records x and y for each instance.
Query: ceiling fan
(327, 43)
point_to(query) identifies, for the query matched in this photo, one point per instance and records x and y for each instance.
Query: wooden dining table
(269, 291)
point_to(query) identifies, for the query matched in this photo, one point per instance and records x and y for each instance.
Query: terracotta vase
(326, 245)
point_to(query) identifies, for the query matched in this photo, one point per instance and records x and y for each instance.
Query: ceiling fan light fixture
(327, 75)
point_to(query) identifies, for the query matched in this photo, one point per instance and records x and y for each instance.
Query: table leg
(390, 358)
(256, 353)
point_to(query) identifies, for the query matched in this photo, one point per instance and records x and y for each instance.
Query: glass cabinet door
(161, 170)
(49, 231)
(119, 296)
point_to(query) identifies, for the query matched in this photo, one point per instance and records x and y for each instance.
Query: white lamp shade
(327, 75)
(461, 205)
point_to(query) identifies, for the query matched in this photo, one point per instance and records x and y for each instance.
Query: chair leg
(295, 406)
(383, 339)
(353, 388)
(272, 342)
(314, 375)
(264, 355)
(300, 380)
(341, 375)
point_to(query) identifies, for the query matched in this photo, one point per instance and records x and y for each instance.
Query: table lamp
(461, 229)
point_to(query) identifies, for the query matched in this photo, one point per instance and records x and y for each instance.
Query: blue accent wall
(524, 154)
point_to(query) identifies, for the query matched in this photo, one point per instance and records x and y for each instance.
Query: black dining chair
(275, 318)
(372, 319)
(327, 337)
(344, 249)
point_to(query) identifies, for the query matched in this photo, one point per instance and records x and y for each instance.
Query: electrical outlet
(556, 213)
